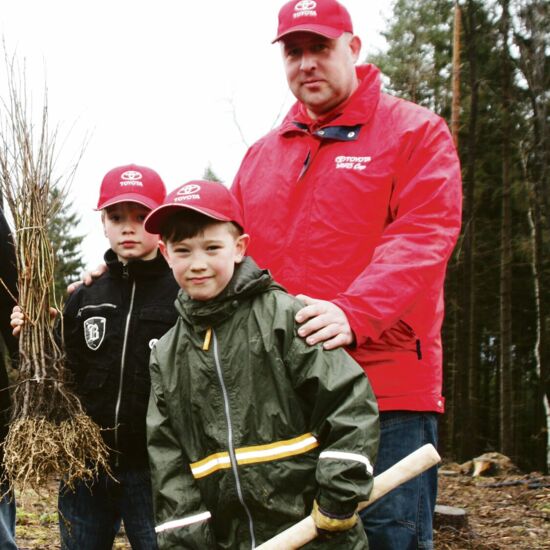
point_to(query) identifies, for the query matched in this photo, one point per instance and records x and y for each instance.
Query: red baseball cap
(211, 198)
(325, 17)
(131, 183)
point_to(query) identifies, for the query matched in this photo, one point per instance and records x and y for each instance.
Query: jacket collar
(247, 281)
(136, 269)
(345, 121)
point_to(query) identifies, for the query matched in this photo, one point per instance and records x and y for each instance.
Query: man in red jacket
(354, 203)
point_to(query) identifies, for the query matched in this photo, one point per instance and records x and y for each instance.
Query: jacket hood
(359, 107)
(248, 280)
(135, 269)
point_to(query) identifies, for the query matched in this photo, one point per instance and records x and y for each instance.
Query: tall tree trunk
(466, 379)
(455, 109)
(533, 42)
(535, 224)
(506, 431)
(470, 261)
(452, 365)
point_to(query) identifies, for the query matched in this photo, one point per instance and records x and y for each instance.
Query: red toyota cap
(211, 198)
(325, 17)
(131, 183)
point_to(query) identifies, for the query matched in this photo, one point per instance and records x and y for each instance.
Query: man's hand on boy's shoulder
(323, 322)
(87, 278)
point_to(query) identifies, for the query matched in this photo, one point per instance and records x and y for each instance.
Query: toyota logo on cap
(131, 175)
(189, 189)
(305, 5)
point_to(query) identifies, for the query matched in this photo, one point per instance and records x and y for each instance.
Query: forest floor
(508, 511)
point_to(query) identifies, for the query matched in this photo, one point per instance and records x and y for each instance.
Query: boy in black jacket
(110, 328)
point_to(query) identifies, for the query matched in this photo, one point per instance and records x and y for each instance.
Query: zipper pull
(125, 273)
(305, 166)
(207, 338)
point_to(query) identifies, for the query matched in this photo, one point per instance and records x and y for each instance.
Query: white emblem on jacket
(94, 331)
(351, 163)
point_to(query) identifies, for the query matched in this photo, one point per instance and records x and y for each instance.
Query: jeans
(402, 519)
(90, 517)
(7, 520)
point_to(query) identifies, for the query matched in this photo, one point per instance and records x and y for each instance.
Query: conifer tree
(66, 244)
(417, 66)
(210, 175)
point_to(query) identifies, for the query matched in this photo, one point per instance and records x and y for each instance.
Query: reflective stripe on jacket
(247, 424)
(363, 209)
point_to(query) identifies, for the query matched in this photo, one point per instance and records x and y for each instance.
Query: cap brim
(128, 197)
(327, 32)
(153, 222)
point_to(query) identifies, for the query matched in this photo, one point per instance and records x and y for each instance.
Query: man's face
(123, 226)
(204, 264)
(320, 71)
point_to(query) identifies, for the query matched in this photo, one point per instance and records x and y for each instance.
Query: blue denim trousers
(402, 519)
(7, 520)
(90, 517)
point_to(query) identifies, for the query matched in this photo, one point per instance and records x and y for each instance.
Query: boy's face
(204, 264)
(123, 226)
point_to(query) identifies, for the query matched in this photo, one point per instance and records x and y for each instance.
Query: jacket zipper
(311, 154)
(122, 364)
(230, 444)
(418, 349)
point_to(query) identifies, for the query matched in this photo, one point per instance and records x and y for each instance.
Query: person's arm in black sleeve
(8, 274)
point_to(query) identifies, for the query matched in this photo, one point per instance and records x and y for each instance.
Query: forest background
(496, 335)
(496, 99)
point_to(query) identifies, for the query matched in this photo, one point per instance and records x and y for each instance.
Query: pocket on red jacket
(399, 337)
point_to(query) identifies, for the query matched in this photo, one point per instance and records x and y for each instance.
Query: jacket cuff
(361, 337)
(327, 521)
(335, 508)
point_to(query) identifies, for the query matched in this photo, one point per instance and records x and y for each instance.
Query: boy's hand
(17, 319)
(327, 523)
(326, 323)
(87, 278)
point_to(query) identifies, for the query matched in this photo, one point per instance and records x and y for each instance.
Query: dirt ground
(36, 525)
(509, 512)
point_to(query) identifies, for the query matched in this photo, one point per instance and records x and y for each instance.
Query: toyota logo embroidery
(189, 189)
(305, 5)
(131, 175)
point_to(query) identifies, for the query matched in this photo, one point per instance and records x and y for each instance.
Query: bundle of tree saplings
(50, 436)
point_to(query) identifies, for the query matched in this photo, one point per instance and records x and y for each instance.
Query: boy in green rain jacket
(249, 428)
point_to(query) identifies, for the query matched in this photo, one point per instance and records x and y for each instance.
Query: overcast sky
(176, 85)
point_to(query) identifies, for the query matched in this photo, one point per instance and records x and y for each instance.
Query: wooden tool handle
(412, 465)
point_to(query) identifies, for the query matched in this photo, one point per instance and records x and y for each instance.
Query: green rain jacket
(247, 424)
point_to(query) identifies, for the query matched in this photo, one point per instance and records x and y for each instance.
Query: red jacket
(363, 210)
